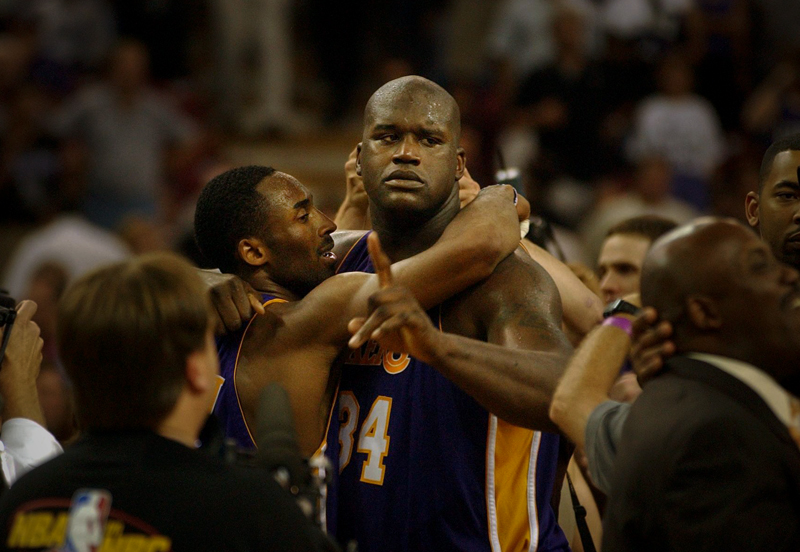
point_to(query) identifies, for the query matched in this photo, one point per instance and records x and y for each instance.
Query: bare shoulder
(517, 283)
(519, 273)
(262, 328)
(284, 329)
(518, 290)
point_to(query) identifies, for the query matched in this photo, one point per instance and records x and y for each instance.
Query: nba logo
(87, 520)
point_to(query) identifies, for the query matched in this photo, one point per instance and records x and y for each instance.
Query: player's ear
(461, 162)
(358, 159)
(253, 252)
(751, 209)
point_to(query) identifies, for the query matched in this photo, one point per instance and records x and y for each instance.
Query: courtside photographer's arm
(26, 443)
(20, 365)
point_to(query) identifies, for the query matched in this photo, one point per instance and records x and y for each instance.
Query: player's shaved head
(411, 133)
(414, 89)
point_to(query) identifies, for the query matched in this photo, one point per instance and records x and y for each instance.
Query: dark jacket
(704, 464)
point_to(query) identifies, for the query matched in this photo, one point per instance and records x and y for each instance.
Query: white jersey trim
(491, 499)
(533, 512)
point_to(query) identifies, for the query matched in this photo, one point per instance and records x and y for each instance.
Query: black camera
(8, 313)
(7, 308)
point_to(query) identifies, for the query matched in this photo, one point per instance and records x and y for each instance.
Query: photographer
(24, 442)
(137, 342)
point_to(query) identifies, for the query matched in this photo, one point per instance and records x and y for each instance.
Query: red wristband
(620, 322)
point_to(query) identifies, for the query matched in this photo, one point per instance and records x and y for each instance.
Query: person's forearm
(514, 384)
(21, 400)
(352, 216)
(589, 376)
(491, 219)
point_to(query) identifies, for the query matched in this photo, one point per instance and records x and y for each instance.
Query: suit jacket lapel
(723, 382)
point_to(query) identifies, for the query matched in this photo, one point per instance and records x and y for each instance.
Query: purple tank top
(227, 406)
(420, 465)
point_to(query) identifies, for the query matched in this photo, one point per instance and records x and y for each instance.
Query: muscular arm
(582, 309)
(473, 244)
(516, 310)
(514, 384)
(520, 309)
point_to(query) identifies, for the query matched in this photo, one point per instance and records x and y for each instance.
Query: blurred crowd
(114, 114)
(618, 120)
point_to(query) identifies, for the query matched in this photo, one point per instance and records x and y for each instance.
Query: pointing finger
(382, 264)
(355, 327)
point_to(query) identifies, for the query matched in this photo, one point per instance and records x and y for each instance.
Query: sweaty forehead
(412, 105)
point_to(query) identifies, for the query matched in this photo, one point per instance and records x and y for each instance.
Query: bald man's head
(725, 293)
(686, 261)
(409, 157)
(415, 90)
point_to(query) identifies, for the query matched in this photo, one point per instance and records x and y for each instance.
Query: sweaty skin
(410, 163)
(296, 342)
(517, 307)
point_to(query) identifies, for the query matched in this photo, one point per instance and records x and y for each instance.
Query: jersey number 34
(373, 439)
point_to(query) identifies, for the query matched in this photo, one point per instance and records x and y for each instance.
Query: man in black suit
(707, 459)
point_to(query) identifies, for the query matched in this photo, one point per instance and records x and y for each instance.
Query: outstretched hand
(234, 301)
(396, 320)
(651, 344)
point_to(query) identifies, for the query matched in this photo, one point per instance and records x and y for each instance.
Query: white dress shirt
(24, 444)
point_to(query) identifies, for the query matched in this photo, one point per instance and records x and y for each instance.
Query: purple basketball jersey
(227, 406)
(420, 465)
